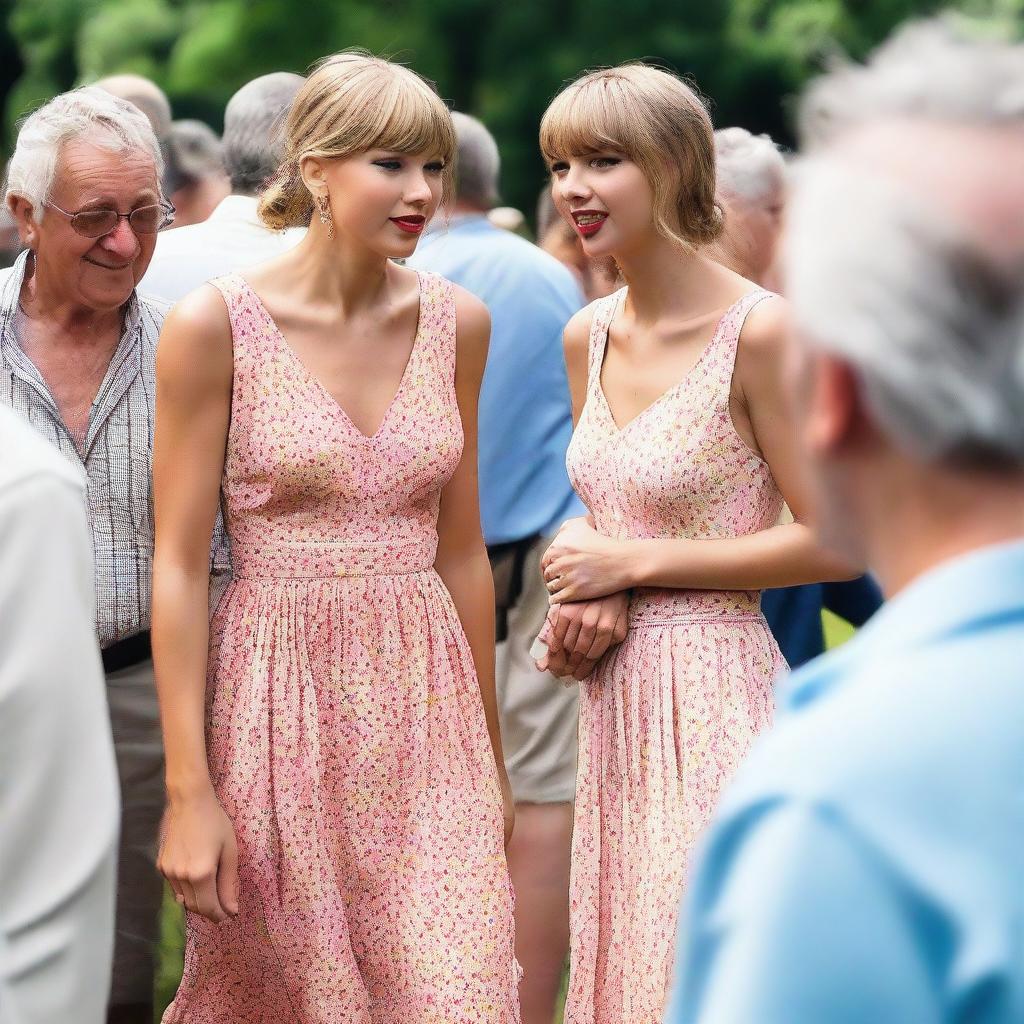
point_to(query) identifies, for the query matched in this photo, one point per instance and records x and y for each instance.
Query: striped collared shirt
(117, 456)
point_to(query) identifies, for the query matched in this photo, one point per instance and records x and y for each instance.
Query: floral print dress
(666, 717)
(345, 729)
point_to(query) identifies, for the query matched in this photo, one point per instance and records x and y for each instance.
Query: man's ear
(21, 210)
(836, 419)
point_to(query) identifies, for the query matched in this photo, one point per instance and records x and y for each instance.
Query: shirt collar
(953, 597)
(238, 208)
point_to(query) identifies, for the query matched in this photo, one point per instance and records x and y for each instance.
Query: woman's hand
(581, 564)
(581, 633)
(199, 856)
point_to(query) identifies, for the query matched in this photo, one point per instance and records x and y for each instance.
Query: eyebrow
(110, 203)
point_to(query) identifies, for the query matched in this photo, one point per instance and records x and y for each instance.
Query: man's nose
(122, 241)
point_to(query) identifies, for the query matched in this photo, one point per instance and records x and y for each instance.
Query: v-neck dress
(666, 717)
(345, 730)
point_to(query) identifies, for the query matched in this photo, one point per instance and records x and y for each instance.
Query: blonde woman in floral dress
(683, 454)
(335, 782)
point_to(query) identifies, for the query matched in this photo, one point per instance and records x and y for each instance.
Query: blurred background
(500, 61)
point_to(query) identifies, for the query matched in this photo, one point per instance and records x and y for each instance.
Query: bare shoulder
(761, 341)
(472, 326)
(196, 337)
(576, 336)
(765, 325)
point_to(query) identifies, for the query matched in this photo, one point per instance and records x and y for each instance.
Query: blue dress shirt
(525, 411)
(867, 864)
(794, 613)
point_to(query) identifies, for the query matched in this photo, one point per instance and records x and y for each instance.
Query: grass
(172, 926)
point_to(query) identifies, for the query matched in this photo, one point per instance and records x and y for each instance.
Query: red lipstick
(413, 225)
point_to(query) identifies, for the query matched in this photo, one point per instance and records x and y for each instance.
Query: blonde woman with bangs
(337, 799)
(683, 453)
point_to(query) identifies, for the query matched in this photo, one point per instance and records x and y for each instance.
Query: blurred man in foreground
(58, 783)
(867, 864)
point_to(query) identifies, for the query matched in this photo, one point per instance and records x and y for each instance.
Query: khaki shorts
(538, 714)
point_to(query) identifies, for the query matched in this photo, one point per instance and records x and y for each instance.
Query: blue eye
(435, 168)
(605, 161)
(389, 165)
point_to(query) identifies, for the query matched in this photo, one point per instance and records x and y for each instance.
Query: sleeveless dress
(666, 717)
(345, 730)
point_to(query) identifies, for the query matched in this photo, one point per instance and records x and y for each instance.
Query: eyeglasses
(144, 220)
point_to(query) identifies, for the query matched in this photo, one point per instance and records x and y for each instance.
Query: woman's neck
(666, 281)
(337, 272)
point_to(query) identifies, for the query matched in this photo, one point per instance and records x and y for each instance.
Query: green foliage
(502, 62)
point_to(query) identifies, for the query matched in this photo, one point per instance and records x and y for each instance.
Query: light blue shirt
(525, 410)
(867, 864)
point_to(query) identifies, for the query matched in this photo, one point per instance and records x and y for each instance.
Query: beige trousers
(538, 715)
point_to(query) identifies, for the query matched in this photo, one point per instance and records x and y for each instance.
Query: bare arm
(581, 632)
(193, 407)
(589, 565)
(461, 560)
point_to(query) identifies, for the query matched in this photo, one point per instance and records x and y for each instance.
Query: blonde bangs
(657, 121)
(590, 116)
(358, 103)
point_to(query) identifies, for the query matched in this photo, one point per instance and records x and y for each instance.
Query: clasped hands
(587, 577)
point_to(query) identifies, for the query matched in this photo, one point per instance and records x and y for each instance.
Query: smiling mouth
(413, 224)
(588, 222)
(107, 266)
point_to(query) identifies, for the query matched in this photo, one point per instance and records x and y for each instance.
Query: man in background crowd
(148, 97)
(867, 863)
(524, 429)
(77, 361)
(751, 176)
(233, 237)
(195, 152)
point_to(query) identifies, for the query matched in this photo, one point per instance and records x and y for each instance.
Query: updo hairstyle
(350, 103)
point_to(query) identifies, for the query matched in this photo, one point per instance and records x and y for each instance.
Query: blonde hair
(657, 121)
(350, 103)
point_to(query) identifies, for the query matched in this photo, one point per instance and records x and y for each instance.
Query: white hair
(87, 114)
(929, 69)
(477, 164)
(930, 317)
(748, 167)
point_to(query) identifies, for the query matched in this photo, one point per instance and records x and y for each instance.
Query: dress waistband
(331, 559)
(657, 607)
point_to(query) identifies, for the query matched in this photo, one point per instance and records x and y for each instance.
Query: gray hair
(87, 114)
(478, 165)
(196, 151)
(253, 143)
(930, 318)
(748, 167)
(929, 69)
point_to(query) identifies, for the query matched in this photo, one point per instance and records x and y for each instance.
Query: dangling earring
(323, 204)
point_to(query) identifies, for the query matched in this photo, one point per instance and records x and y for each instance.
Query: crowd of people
(417, 600)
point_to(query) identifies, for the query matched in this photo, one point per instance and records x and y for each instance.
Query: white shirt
(59, 805)
(232, 238)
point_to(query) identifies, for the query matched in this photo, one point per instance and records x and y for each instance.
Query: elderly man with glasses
(77, 354)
